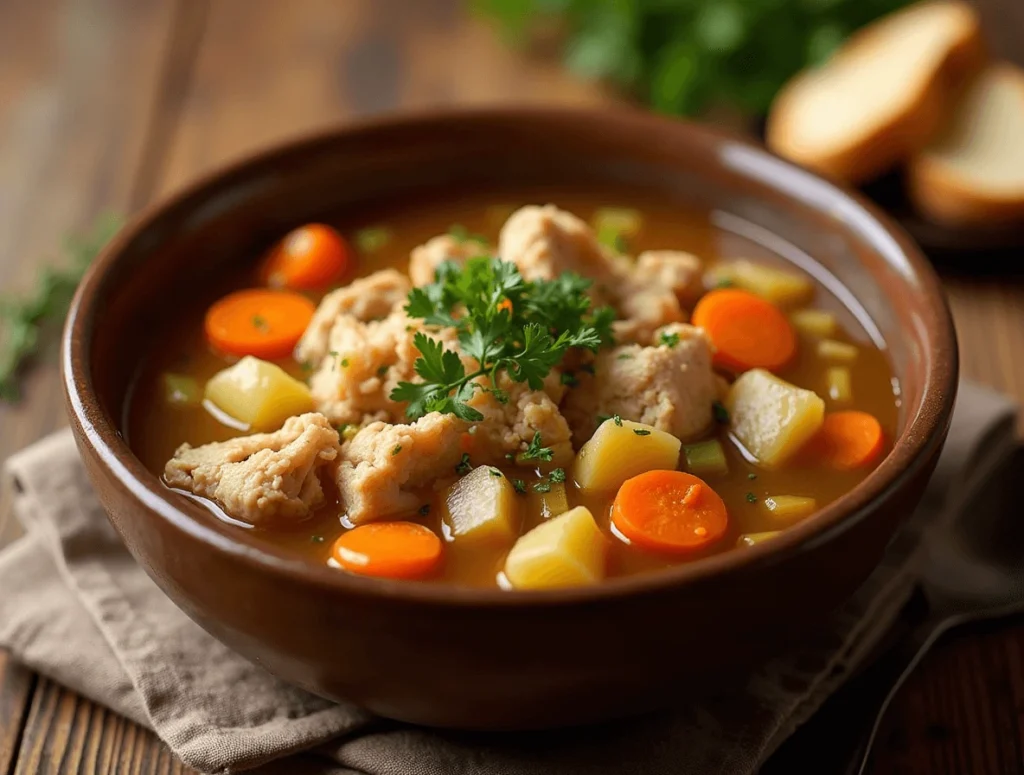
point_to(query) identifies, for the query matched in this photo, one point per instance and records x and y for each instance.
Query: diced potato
(779, 286)
(752, 539)
(831, 350)
(705, 458)
(549, 504)
(840, 387)
(481, 508)
(771, 418)
(181, 390)
(619, 450)
(787, 509)
(814, 322)
(258, 393)
(565, 551)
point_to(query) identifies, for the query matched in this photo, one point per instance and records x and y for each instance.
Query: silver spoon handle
(909, 655)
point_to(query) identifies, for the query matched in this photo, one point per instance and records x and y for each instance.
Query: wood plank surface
(109, 103)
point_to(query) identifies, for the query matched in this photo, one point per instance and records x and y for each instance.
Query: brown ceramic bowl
(487, 659)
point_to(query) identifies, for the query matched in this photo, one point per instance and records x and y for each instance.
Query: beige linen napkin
(75, 607)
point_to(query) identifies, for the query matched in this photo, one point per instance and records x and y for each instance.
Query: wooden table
(108, 104)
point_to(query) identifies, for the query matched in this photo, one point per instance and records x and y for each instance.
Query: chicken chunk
(509, 428)
(383, 465)
(426, 258)
(544, 242)
(643, 308)
(670, 386)
(364, 363)
(368, 298)
(674, 270)
(265, 477)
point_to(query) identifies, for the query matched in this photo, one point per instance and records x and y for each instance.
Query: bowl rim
(923, 434)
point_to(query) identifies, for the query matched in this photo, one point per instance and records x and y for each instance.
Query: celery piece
(181, 390)
(705, 458)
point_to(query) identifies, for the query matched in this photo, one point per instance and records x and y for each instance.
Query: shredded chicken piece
(368, 298)
(670, 387)
(509, 428)
(425, 259)
(383, 465)
(365, 362)
(262, 478)
(673, 270)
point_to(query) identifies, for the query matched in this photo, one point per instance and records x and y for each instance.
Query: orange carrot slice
(394, 550)
(747, 332)
(267, 324)
(847, 440)
(311, 256)
(669, 511)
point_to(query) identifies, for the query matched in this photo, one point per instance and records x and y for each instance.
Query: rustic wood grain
(112, 102)
(16, 685)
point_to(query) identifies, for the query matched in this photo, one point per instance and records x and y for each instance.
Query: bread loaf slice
(972, 173)
(882, 95)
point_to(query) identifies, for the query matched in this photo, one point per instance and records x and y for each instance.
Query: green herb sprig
(25, 322)
(504, 323)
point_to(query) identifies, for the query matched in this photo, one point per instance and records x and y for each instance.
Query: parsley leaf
(669, 340)
(503, 324)
(558, 475)
(535, 450)
(542, 487)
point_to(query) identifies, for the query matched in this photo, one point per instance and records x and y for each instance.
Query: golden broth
(156, 428)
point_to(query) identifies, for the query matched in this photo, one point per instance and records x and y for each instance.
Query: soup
(489, 392)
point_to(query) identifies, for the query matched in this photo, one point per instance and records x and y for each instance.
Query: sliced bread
(972, 173)
(882, 95)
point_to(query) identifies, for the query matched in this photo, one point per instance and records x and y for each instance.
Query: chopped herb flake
(641, 432)
(396, 450)
(382, 370)
(751, 498)
(509, 456)
(464, 466)
(558, 475)
(519, 486)
(495, 472)
(751, 476)
(535, 450)
(424, 509)
(569, 379)
(669, 340)
(317, 539)
(720, 413)
(344, 363)
(259, 323)
(617, 420)
(723, 282)
(542, 487)
(624, 356)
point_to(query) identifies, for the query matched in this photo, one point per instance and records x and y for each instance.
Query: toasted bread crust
(873, 152)
(942, 195)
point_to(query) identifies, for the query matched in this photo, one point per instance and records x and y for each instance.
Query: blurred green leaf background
(685, 56)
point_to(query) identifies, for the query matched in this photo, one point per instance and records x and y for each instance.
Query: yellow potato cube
(566, 551)
(481, 507)
(549, 504)
(831, 350)
(621, 449)
(840, 386)
(771, 418)
(779, 286)
(814, 322)
(258, 393)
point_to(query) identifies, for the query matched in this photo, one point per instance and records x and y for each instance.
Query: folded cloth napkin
(75, 606)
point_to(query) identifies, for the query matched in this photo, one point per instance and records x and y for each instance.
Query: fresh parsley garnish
(536, 451)
(558, 475)
(424, 510)
(542, 487)
(641, 432)
(751, 476)
(519, 485)
(617, 420)
(624, 356)
(569, 379)
(670, 340)
(504, 324)
(495, 472)
(396, 450)
(28, 324)
(751, 498)
(464, 466)
(720, 413)
(316, 539)
(382, 370)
